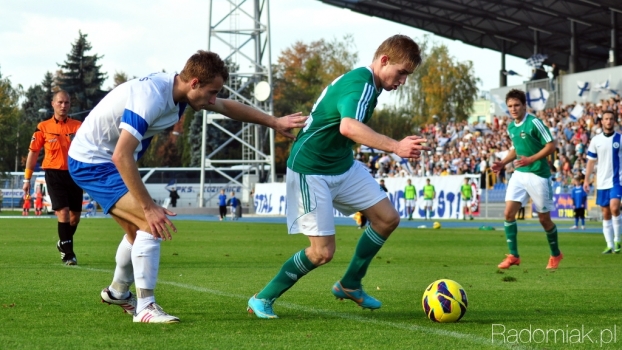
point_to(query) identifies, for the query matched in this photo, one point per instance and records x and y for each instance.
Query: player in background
(114, 136)
(429, 194)
(54, 136)
(410, 198)
(532, 143)
(26, 205)
(38, 202)
(322, 175)
(466, 191)
(579, 203)
(605, 148)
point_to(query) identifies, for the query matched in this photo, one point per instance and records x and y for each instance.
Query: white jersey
(143, 107)
(609, 155)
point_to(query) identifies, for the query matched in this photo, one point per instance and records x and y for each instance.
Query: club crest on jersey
(522, 134)
(616, 145)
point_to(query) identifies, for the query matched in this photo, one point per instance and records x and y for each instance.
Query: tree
(441, 86)
(10, 127)
(81, 76)
(301, 73)
(120, 78)
(395, 122)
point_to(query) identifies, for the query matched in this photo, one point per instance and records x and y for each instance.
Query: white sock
(616, 228)
(124, 272)
(146, 261)
(608, 232)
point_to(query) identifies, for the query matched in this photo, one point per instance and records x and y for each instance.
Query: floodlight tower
(239, 31)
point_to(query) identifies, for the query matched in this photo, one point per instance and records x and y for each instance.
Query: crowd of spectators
(464, 148)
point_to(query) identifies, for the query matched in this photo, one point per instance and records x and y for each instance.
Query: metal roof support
(573, 59)
(503, 78)
(536, 37)
(613, 51)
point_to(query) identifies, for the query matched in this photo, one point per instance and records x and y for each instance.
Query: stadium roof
(517, 23)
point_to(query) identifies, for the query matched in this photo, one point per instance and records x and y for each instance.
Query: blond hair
(400, 49)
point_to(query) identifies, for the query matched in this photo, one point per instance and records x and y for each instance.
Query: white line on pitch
(439, 332)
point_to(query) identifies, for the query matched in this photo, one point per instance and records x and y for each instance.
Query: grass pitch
(210, 269)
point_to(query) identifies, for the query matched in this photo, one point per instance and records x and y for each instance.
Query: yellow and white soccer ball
(436, 225)
(444, 301)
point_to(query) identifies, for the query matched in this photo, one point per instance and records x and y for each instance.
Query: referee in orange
(54, 136)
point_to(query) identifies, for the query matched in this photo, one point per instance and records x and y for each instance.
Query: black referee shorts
(63, 190)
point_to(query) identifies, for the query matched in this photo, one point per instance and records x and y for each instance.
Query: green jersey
(320, 148)
(410, 192)
(528, 138)
(428, 192)
(466, 191)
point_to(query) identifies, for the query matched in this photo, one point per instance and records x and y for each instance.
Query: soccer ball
(436, 225)
(444, 301)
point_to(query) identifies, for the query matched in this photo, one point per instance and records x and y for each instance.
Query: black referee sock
(66, 241)
(73, 230)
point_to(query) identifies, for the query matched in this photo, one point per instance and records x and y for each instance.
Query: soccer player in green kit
(532, 144)
(322, 175)
(467, 194)
(410, 197)
(429, 193)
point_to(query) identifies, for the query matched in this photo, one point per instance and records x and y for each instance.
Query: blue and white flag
(536, 98)
(576, 113)
(501, 104)
(536, 60)
(584, 88)
(511, 72)
(604, 87)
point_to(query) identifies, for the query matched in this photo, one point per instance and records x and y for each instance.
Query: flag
(536, 98)
(584, 87)
(604, 87)
(501, 104)
(576, 113)
(536, 60)
(511, 72)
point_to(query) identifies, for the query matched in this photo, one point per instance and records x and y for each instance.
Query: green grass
(210, 269)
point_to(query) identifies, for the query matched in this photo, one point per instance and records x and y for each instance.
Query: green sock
(510, 234)
(551, 236)
(368, 246)
(294, 269)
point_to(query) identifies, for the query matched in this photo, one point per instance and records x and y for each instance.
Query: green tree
(395, 122)
(441, 86)
(11, 127)
(301, 73)
(81, 76)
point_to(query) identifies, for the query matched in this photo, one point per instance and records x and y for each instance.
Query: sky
(139, 37)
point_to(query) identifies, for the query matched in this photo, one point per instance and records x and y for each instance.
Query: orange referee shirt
(55, 138)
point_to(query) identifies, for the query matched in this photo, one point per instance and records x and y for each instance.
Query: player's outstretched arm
(409, 147)
(241, 112)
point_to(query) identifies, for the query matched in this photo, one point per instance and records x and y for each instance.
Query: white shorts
(466, 203)
(410, 203)
(523, 185)
(429, 203)
(311, 199)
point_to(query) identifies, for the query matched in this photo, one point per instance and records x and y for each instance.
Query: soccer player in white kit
(605, 148)
(103, 155)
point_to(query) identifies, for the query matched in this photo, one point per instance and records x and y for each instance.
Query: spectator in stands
(174, 196)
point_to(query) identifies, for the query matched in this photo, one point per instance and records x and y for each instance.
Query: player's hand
(285, 124)
(524, 161)
(159, 222)
(26, 187)
(412, 146)
(586, 187)
(497, 166)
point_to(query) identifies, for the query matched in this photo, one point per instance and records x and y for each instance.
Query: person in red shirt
(54, 136)
(26, 206)
(38, 203)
